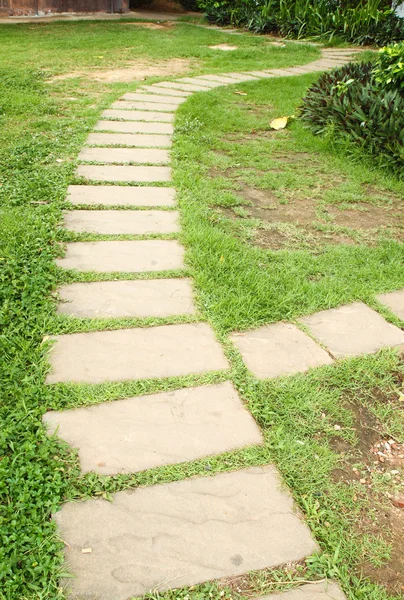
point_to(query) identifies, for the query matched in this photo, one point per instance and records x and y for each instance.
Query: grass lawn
(276, 224)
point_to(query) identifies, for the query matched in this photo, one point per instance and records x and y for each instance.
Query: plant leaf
(279, 123)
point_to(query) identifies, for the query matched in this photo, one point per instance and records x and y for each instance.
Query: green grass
(222, 144)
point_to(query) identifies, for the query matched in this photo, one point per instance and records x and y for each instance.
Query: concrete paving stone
(394, 301)
(181, 533)
(353, 330)
(197, 81)
(128, 139)
(241, 77)
(126, 174)
(259, 74)
(133, 354)
(162, 92)
(187, 87)
(119, 195)
(117, 222)
(324, 590)
(125, 155)
(279, 349)
(135, 97)
(219, 78)
(141, 298)
(138, 115)
(123, 256)
(126, 105)
(207, 84)
(134, 127)
(328, 63)
(135, 434)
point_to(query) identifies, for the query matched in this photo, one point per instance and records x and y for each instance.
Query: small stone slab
(119, 195)
(218, 78)
(125, 155)
(279, 349)
(118, 299)
(353, 330)
(133, 127)
(123, 256)
(241, 77)
(187, 87)
(138, 115)
(323, 590)
(163, 92)
(181, 533)
(128, 139)
(127, 105)
(135, 97)
(198, 81)
(132, 354)
(141, 433)
(394, 301)
(124, 174)
(117, 222)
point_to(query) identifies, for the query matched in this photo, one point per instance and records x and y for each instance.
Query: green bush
(348, 103)
(389, 72)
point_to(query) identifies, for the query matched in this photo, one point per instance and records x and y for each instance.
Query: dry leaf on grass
(279, 123)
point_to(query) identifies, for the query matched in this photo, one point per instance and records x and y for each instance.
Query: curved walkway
(190, 531)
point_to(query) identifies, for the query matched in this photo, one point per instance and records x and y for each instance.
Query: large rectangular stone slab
(184, 87)
(128, 139)
(117, 299)
(119, 195)
(218, 78)
(157, 98)
(143, 105)
(132, 354)
(125, 155)
(138, 115)
(127, 174)
(180, 534)
(353, 330)
(122, 222)
(123, 256)
(141, 433)
(394, 301)
(198, 81)
(154, 89)
(134, 127)
(322, 590)
(279, 349)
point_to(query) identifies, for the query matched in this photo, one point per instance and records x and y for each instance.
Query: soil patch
(147, 25)
(224, 47)
(135, 71)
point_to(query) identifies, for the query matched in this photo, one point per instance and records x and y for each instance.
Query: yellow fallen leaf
(241, 93)
(279, 123)
(221, 259)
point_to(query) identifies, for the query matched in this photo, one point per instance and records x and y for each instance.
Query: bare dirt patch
(135, 71)
(224, 47)
(147, 25)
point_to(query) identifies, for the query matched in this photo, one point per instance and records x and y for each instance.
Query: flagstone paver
(141, 140)
(141, 433)
(187, 87)
(119, 195)
(353, 330)
(141, 298)
(139, 353)
(134, 127)
(163, 91)
(181, 533)
(125, 155)
(394, 301)
(122, 222)
(124, 174)
(123, 256)
(324, 590)
(138, 97)
(279, 349)
(139, 105)
(138, 115)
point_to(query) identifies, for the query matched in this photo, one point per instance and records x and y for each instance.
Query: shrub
(349, 103)
(389, 71)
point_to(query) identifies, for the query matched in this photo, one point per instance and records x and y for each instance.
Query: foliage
(348, 103)
(389, 70)
(189, 4)
(369, 22)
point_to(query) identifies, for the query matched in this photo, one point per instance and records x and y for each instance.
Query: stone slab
(133, 354)
(138, 115)
(181, 533)
(135, 434)
(139, 105)
(133, 127)
(353, 330)
(156, 90)
(116, 222)
(128, 139)
(198, 81)
(324, 590)
(119, 195)
(279, 349)
(125, 155)
(186, 87)
(123, 256)
(135, 97)
(117, 299)
(126, 174)
(219, 79)
(241, 77)
(394, 301)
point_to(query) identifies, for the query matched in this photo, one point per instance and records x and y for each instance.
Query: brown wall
(26, 7)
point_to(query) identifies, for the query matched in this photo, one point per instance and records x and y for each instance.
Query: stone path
(194, 530)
